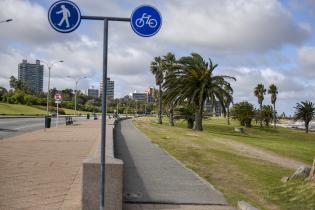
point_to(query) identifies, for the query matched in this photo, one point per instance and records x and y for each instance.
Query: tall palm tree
(305, 111)
(259, 92)
(169, 64)
(273, 91)
(194, 82)
(157, 69)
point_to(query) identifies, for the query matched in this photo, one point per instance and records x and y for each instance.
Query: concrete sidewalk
(155, 180)
(42, 169)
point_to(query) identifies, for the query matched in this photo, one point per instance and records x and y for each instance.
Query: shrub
(244, 112)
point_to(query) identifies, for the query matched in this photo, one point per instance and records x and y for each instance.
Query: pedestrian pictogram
(146, 20)
(64, 16)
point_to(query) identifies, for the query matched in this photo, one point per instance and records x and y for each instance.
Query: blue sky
(257, 41)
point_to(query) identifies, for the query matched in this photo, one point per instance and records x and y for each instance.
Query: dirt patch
(251, 151)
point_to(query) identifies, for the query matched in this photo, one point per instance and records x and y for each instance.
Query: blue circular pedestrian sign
(64, 16)
(146, 20)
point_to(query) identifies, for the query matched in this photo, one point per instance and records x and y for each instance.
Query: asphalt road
(153, 176)
(15, 126)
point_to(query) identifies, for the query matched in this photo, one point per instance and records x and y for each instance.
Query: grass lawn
(291, 143)
(239, 177)
(20, 109)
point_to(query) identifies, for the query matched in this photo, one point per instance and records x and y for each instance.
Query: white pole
(57, 114)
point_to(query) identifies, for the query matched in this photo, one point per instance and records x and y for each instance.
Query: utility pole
(75, 92)
(49, 66)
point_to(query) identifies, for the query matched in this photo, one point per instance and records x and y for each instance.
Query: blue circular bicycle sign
(146, 20)
(64, 16)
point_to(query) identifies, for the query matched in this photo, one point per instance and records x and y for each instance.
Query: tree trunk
(312, 174)
(306, 127)
(228, 115)
(198, 118)
(274, 116)
(160, 104)
(261, 118)
(190, 123)
(171, 116)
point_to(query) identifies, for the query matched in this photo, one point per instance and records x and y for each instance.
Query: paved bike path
(153, 176)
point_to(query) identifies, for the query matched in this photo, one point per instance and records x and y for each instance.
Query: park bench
(69, 120)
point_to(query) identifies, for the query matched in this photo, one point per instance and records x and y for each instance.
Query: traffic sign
(64, 16)
(57, 102)
(58, 97)
(146, 20)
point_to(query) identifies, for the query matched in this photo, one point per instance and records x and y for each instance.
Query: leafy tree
(267, 114)
(273, 91)
(19, 85)
(194, 82)
(3, 91)
(305, 111)
(259, 92)
(158, 71)
(244, 112)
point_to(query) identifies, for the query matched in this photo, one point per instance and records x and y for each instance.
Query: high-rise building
(92, 92)
(139, 96)
(150, 95)
(110, 88)
(32, 75)
(213, 108)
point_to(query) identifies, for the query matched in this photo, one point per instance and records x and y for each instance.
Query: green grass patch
(287, 142)
(238, 177)
(18, 109)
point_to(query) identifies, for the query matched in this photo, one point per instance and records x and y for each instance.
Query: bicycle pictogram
(146, 20)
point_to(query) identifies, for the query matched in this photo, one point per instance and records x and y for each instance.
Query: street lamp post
(5, 21)
(75, 92)
(49, 66)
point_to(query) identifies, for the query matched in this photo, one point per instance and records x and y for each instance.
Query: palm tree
(273, 90)
(194, 82)
(259, 92)
(305, 111)
(169, 64)
(157, 70)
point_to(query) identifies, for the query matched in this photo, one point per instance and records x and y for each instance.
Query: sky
(256, 41)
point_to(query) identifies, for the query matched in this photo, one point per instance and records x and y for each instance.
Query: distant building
(139, 96)
(110, 88)
(150, 95)
(126, 98)
(92, 92)
(32, 75)
(214, 109)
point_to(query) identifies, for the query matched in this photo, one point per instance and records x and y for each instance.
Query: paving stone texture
(42, 169)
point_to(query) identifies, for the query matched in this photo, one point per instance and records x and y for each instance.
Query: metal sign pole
(145, 21)
(57, 115)
(104, 100)
(103, 145)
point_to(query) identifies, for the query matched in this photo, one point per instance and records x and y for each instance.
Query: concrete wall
(113, 176)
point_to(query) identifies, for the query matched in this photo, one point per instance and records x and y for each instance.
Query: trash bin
(87, 116)
(47, 121)
(95, 117)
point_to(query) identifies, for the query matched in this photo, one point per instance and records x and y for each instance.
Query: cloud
(29, 26)
(306, 59)
(232, 25)
(290, 89)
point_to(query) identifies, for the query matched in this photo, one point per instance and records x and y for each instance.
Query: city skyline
(278, 45)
